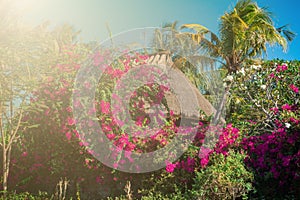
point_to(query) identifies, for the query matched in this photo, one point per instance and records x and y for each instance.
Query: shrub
(224, 178)
(265, 105)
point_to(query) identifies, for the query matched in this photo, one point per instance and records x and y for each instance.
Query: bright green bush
(224, 178)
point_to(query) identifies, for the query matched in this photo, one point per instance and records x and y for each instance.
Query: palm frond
(196, 27)
(288, 34)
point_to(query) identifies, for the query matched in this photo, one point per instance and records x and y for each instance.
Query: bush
(265, 105)
(224, 178)
(26, 196)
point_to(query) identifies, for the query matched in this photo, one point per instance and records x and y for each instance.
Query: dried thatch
(189, 106)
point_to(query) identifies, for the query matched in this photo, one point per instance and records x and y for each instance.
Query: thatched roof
(194, 102)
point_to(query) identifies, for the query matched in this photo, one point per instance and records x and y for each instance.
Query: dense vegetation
(256, 154)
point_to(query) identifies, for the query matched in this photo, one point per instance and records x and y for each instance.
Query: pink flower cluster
(281, 68)
(187, 165)
(294, 88)
(227, 140)
(277, 152)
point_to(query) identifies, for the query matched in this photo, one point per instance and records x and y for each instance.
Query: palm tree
(200, 70)
(244, 34)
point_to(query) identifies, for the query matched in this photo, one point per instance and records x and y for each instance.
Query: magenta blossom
(286, 107)
(274, 109)
(170, 167)
(204, 151)
(105, 107)
(281, 68)
(71, 121)
(294, 88)
(204, 161)
(272, 75)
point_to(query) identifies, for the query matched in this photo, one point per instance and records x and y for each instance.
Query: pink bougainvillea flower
(286, 160)
(99, 179)
(189, 165)
(272, 75)
(68, 135)
(128, 156)
(77, 66)
(81, 143)
(275, 172)
(130, 146)
(87, 85)
(69, 109)
(292, 119)
(98, 59)
(204, 161)
(92, 111)
(106, 128)
(117, 73)
(204, 152)
(110, 136)
(76, 133)
(115, 165)
(71, 121)
(286, 107)
(47, 112)
(281, 68)
(274, 109)
(104, 107)
(90, 151)
(294, 88)
(24, 154)
(78, 104)
(170, 167)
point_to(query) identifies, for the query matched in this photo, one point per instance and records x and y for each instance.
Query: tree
(26, 53)
(179, 46)
(244, 34)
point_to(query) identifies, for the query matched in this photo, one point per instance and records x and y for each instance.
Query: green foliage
(254, 92)
(244, 33)
(264, 104)
(27, 196)
(51, 147)
(160, 182)
(224, 178)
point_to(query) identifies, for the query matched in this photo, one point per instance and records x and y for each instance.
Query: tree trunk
(4, 155)
(222, 105)
(4, 171)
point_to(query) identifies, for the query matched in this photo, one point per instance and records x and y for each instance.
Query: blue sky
(92, 16)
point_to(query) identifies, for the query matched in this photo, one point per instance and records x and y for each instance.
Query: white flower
(229, 78)
(224, 85)
(242, 71)
(255, 67)
(263, 87)
(287, 125)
